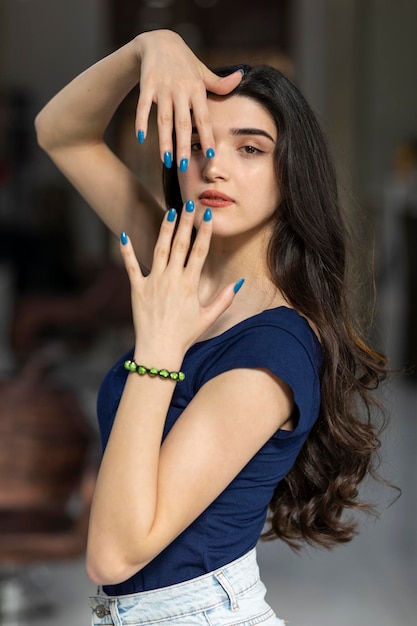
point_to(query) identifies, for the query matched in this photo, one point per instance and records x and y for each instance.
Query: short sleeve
(292, 356)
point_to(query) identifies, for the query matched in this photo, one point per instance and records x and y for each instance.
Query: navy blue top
(281, 341)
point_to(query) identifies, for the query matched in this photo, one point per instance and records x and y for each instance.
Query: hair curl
(307, 261)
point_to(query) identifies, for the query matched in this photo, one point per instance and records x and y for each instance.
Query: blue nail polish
(183, 165)
(210, 153)
(141, 136)
(123, 238)
(207, 215)
(167, 159)
(238, 285)
(171, 215)
(189, 206)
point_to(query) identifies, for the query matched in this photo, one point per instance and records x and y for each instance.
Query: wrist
(142, 370)
(151, 38)
(138, 44)
(158, 359)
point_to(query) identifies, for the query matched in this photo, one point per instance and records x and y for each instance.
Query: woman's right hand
(174, 78)
(168, 316)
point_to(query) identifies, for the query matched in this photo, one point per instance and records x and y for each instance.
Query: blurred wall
(356, 61)
(388, 90)
(44, 44)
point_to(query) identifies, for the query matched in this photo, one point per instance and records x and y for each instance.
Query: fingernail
(171, 215)
(207, 215)
(238, 285)
(183, 165)
(210, 153)
(189, 206)
(141, 136)
(167, 159)
(123, 238)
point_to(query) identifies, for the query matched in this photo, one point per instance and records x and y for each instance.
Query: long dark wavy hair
(307, 261)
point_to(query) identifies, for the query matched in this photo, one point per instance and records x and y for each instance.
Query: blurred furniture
(47, 474)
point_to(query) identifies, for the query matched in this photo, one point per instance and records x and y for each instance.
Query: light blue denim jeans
(230, 596)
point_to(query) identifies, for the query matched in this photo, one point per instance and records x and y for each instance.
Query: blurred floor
(369, 582)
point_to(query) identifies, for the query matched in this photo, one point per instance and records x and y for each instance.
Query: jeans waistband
(199, 594)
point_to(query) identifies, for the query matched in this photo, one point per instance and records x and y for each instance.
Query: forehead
(239, 112)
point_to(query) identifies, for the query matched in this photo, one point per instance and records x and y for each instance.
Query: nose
(216, 168)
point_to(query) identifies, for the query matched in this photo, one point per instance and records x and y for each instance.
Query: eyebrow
(238, 132)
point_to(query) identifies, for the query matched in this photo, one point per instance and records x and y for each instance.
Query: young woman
(247, 389)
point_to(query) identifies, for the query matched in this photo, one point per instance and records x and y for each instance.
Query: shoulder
(279, 340)
(278, 337)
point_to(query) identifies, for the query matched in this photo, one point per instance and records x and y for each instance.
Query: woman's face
(239, 184)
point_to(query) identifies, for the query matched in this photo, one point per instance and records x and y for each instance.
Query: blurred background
(64, 298)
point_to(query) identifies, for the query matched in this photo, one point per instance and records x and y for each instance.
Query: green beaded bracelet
(132, 366)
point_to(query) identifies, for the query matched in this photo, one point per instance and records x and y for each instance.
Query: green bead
(132, 366)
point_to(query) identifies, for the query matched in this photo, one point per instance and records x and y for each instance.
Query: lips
(215, 198)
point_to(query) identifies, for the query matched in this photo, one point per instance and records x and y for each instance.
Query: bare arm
(164, 488)
(70, 128)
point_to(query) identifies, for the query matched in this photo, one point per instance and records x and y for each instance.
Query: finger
(222, 85)
(182, 240)
(221, 302)
(202, 122)
(162, 248)
(142, 115)
(130, 261)
(183, 129)
(218, 85)
(201, 245)
(165, 119)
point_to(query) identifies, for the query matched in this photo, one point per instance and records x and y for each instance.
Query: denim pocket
(245, 609)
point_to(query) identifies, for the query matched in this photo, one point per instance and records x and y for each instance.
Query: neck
(237, 257)
(230, 259)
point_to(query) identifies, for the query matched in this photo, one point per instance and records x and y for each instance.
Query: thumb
(222, 301)
(222, 85)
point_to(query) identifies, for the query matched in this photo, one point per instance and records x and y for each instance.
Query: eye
(195, 146)
(250, 150)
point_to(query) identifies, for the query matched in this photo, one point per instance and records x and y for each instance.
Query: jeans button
(101, 611)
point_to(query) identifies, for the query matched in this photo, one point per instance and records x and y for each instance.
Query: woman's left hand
(167, 313)
(177, 81)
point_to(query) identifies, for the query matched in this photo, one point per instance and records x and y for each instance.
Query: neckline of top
(289, 310)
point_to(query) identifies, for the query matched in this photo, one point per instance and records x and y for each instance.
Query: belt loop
(227, 586)
(117, 621)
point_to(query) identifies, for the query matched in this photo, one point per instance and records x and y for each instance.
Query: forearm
(126, 495)
(81, 111)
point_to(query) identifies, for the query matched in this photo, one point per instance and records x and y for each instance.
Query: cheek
(268, 189)
(275, 191)
(187, 182)
(182, 181)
